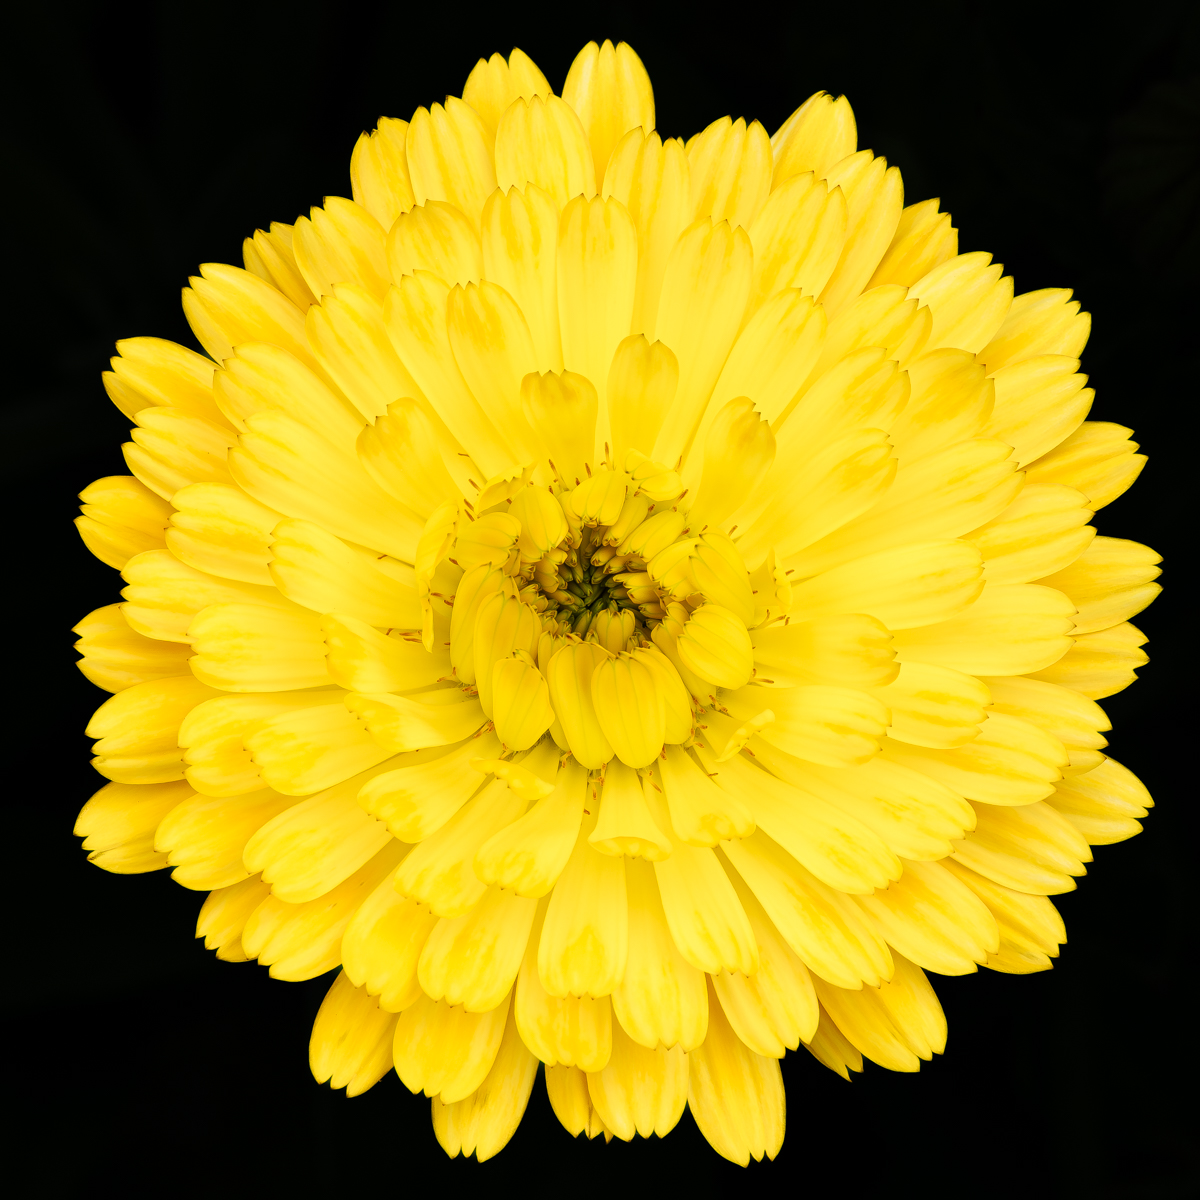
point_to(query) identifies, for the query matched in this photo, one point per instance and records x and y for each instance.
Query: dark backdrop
(144, 139)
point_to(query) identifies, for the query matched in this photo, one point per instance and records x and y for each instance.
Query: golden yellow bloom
(631, 604)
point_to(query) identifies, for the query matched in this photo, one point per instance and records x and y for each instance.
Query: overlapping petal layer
(628, 603)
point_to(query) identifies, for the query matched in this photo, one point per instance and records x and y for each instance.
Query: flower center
(586, 589)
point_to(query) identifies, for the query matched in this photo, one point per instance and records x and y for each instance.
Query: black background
(141, 140)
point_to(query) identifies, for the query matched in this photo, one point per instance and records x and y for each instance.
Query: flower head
(630, 604)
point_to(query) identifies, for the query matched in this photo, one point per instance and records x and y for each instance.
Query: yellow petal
(852, 650)
(138, 729)
(730, 169)
(874, 200)
(628, 709)
(837, 726)
(361, 659)
(703, 913)
(302, 941)
(118, 825)
(483, 1122)
(286, 467)
(864, 1020)
(777, 1007)
(716, 646)
(563, 409)
(625, 826)
(823, 491)
(1075, 720)
(1011, 629)
(213, 736)
(540, 140)
(650, 177)
(449, 156)
(115, 657)
(611, 92)
(661, 999)
(934, 706)
(736, 1096)
(1039, 402)
(739, 450)
(494, 84)
(639, 1090)
(311, 847)
(494, 352)
(308, 749)
(821, 924)
(702, 814)
(569, 675)
(520, 253)
(149, 371)
(933, 920)
(121, 518)
(968, 298)
(567, 1090)
(1098, 459)
(250, 648)
(1031, 848)
(164, 595)
(415, 315)
(227, 306)
(924, 239)
(883, 316)
(1030, 920)
(863, 389)
(941, 495)
(473, 960)
(351, 1043)
(1111, 581)
(585, 937)
(341, 243)
(1042, 322)
(819, 133)
(476, 586)
(569, 1031)
(502, 625)
(520, 703)
(270, 256)
(836, 847)
(379, 171)
(171, 449)
(597, 275)
(261, 376)
(383, 943)
(830, 1048)
(1102, 803)
(400, 723)
(1043, 530)
(440, 871)
(447, 1051)
(224, 914)
(780, 345)
(904, 588)
(1100, 664)
(438, 238)
(217, 528)
(704, 294)
(529, 855)
(418, 797)
(798, 237)
(914, 815)
(1010, 762)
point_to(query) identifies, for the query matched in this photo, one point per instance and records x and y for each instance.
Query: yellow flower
(628, 603)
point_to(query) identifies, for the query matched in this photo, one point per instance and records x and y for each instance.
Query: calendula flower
(628, 603)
